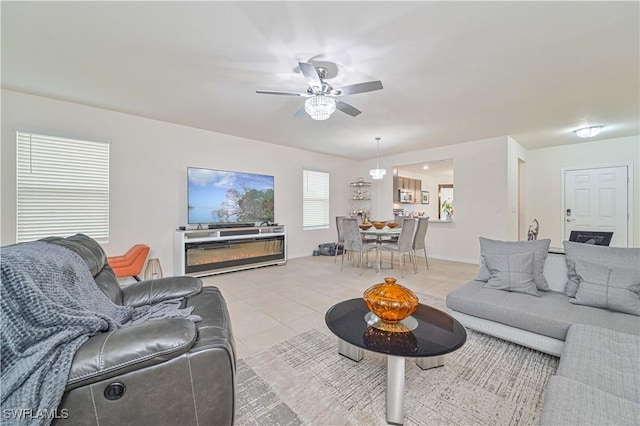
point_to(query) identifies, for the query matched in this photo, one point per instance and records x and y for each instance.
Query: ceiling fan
(321, 103)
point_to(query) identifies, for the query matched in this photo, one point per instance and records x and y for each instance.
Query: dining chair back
(340, 242)
(419, 240)
(404, 244)
(353, 241)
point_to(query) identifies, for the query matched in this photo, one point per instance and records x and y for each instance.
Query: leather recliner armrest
(130, 348)
(153, 291)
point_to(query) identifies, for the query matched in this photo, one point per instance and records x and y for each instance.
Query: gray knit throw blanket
(50, 305)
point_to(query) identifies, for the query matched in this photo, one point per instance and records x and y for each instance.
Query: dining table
(380, 234)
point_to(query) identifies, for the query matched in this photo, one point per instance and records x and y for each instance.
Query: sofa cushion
(511, 272)
(539, 248)
(604, 359)
(551, 314)
(568, 402)
(611, 257)
(614, 289)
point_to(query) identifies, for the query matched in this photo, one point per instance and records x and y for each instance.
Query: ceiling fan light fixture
(588, 132)
(320, 107)
(377, 173)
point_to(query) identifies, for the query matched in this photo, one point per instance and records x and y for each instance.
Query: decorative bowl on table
(393, 225)
(379, 225)
(390, 301)
(365, 226)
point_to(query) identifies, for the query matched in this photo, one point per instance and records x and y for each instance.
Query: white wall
(480, 196)
(515, 152)
(543, 177)
(149, 160)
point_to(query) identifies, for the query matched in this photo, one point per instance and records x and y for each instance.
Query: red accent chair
(130, 264)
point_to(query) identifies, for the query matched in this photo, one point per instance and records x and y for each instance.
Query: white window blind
(315, 199)
(62, 187)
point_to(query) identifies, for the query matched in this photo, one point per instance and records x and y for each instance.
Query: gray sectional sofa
(598, 378)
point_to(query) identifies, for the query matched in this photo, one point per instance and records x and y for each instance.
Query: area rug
(304, 381)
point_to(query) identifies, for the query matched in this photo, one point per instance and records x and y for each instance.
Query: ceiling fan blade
(347, 109)
(300, 113)
(310, 73)
(369, 86)
(276, 92)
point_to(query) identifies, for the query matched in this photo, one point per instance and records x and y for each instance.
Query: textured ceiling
(452, 71)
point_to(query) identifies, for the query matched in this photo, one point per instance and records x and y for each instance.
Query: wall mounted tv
(220, 196)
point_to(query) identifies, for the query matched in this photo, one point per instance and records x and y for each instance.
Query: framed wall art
(425, 197)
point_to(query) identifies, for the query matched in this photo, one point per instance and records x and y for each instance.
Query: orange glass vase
(390, 301)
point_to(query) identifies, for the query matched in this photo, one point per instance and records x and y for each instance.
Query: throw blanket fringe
(50, 305)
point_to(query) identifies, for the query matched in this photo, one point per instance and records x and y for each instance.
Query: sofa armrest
(153, 291)
(130, 348)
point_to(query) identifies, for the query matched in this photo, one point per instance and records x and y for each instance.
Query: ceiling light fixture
(377, 173)
(425, 167)
(588, 132)
(320, 107)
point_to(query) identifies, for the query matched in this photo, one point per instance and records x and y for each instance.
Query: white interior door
(596, 200)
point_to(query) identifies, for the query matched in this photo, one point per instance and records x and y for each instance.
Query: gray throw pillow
(511, 272)
(611, 257)
(613, 289)
(539, 248)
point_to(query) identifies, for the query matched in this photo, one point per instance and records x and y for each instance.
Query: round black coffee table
(432, 334)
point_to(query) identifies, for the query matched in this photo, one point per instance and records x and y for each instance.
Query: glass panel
(222, 254)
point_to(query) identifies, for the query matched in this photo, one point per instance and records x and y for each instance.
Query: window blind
(315, 200)
(62, 187)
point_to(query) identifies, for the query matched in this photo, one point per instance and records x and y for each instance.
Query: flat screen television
(220, 196)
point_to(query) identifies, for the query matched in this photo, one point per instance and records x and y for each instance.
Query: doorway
(597, 199)
(445, 201)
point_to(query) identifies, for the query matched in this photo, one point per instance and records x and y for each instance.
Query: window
(315, 200)
(62, 187)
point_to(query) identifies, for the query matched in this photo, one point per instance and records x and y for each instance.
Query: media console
(213, 251)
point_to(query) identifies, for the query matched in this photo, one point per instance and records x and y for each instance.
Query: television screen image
(219, 196)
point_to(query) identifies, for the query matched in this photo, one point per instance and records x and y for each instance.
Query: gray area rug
(303, 381)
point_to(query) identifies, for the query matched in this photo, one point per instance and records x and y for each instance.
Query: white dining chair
(353, 241)
(419, 241)
(404, 244)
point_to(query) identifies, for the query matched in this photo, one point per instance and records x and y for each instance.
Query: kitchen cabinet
(396, 194)
(417, 190)
(412, 185)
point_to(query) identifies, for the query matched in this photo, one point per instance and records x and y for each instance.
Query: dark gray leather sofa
(164, 372)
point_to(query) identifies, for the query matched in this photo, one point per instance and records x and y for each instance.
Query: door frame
(630, 199)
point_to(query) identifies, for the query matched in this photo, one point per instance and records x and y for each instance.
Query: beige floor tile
(287, 312)
(307, 322)
(241, 349)
(245, 319)
(258, 341)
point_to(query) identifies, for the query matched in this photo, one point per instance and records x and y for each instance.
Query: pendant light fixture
(377, 173)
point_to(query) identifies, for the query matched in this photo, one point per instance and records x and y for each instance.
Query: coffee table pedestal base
(395, 377)
(395, 383)
(430, 362)
(350, 351)
(395, 389)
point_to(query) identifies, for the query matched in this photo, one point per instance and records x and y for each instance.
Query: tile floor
(271, 304)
